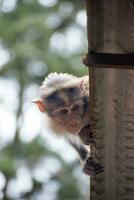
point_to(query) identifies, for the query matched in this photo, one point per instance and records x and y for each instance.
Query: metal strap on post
(109, 60)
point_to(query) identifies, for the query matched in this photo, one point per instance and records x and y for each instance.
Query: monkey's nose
(73, 123)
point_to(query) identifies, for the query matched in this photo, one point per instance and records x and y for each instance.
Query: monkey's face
(69, 118)
(67, 109)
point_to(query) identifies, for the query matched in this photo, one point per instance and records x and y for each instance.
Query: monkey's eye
(63, 111)
(75, 107)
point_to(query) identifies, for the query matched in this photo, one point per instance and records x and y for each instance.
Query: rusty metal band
(109, 60)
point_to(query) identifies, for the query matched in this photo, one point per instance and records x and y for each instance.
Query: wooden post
(110, 26)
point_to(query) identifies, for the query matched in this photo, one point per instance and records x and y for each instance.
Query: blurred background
(37, 37)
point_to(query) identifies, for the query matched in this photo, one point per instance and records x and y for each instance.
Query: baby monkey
(64, 99)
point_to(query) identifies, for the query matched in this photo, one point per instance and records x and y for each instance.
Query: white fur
(74, 139)
(55, 81)
(55, 78)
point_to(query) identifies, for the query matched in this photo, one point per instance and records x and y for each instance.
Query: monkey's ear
(85, 85)
(40, 105)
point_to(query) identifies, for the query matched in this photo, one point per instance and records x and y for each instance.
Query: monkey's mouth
(73, 127)
(73, 130)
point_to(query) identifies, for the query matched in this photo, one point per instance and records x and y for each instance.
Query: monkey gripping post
(110, 59)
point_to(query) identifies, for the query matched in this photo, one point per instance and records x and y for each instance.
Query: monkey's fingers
(91, 168)
(98, 169)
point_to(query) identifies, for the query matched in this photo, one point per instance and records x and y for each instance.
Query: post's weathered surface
(111, 30)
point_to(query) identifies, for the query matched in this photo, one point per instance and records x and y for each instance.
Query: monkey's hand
(86, 135)
(92, 168)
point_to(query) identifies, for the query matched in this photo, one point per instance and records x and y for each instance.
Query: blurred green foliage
(28, 32)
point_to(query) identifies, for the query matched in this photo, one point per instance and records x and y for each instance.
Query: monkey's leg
(89, 166)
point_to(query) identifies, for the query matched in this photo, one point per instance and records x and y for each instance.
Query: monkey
(64, 100)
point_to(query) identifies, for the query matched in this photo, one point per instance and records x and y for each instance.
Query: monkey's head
(64, 98)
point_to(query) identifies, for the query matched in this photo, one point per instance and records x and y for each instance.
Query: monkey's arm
(89, 166)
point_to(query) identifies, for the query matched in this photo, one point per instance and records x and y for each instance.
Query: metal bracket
(109, 60)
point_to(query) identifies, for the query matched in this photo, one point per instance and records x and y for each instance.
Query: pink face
(69, 118)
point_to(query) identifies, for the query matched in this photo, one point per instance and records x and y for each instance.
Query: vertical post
(112, 99)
